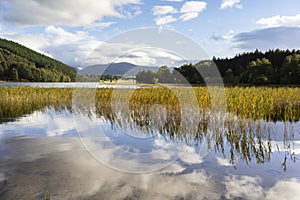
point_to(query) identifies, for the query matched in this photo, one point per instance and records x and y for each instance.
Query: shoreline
(131, 85)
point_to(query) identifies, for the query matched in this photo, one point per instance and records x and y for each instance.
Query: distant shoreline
(126, 83)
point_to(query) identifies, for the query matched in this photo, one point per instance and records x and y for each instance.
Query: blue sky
(69, 30)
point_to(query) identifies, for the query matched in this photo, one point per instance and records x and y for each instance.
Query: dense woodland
(19, 63)
(274, 67)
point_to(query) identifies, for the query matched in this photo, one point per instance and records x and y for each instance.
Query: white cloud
(79, 48)
(191, 9)
(223, 162)
(138, 54)
(34, 42)
(286, 189)
(40, 120)
(190, 156)
(230, 3)
(164, 20)
(173, 0)
(163, 10)
(188, 16)
(193, 6)
(59, 36)
(69, 47)
(278, 20)
(133, 12)
(188, 11)
(227, 37)
(100, 25)
(239, 187)
(67, 12)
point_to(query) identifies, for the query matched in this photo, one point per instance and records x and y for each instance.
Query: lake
(139, 151)
(66, 85)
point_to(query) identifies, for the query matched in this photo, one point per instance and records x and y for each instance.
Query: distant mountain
(19, 63)
(116, 69)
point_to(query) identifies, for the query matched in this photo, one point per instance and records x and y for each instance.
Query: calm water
(85, 154)
(66, 85)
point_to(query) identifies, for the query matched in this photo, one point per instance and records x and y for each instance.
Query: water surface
(146, 153)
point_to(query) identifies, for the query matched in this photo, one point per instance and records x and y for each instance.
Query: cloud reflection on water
(33, 164)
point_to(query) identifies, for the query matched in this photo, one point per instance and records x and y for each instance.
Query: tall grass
(175, 116)
(271, 104)
(18, 101)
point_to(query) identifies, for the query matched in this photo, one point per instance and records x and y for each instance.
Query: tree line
(96, 77)
(277, 67)
(19, 63)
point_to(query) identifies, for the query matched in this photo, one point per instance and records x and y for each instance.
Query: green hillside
(19, 63)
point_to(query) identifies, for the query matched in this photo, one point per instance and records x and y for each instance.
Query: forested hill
(274, 67)
(271, 67)
(19, 63)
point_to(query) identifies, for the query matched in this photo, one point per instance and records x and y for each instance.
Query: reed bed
(271, 104)
(19, 101)
(172, 113)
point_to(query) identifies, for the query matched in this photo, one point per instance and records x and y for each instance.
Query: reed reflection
(158, 111)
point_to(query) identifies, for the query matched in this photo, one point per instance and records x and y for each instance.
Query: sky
(70, 30)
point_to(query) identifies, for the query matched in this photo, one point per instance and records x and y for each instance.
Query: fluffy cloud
(163, 10)
(278, 20)
(188, 16)
(161, 14)
(224, 162)
(70, 47)
(55, 12)
(227, 37)
(239, 187)
(191, 9)
(193, 6)
(164, 20)
(285, 189)
(139, 54)
(173, 0)
(59, 36)
(41, 122)
(98, 26)
(230, 3)
(79, 48)
(35, 42)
